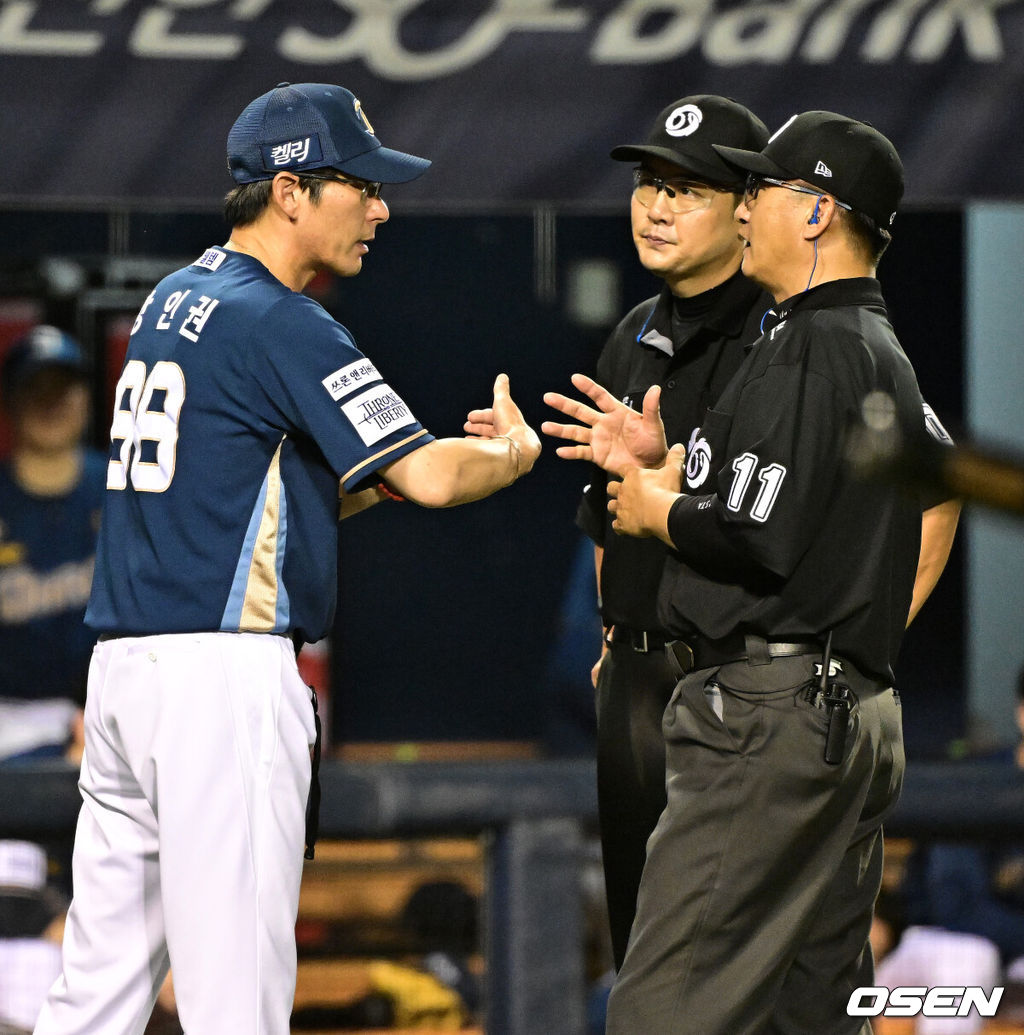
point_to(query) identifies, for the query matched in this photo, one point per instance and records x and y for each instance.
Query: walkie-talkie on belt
(835, 697)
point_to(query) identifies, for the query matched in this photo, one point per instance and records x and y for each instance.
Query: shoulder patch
(347, 379)
(377, 412)
(211, 259)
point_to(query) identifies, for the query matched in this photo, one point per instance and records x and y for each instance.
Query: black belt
(689, 655)
(700, 652)
(642, 641)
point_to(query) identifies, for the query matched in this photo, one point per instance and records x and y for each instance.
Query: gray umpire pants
(756, 899)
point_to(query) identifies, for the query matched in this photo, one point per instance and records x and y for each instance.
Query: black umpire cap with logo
(840, 156)
(686, 131)
(306, 126)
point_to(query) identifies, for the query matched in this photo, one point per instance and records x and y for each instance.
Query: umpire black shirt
(774, 535)
(691, 347)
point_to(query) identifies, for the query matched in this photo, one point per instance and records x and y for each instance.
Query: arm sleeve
(326, 388)
(590, 515)
(932, 496)
(781, 459)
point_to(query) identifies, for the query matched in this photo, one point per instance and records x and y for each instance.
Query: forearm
(450, 471)
(350, 504)
(697, 535)
(598, 560)
(938, 527)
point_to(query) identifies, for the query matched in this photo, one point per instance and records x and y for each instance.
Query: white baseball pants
(189, 845)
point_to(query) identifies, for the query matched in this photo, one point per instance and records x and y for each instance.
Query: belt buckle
(683, 654)
(640, 642)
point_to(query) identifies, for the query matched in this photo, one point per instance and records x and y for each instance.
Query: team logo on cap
(684, 120)
(821, 169)
(362, 115)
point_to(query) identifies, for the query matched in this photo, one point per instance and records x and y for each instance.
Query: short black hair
(872, 238)
(245, 203)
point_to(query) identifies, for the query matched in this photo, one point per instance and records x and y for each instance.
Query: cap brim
(15, 379)
(385, 166)
(699, 170)
(751, 162)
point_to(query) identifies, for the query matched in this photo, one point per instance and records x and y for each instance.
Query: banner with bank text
(130, 101)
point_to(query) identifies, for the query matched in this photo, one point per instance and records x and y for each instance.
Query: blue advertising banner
(130, 101)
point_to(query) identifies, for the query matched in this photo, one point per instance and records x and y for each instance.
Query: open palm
(614, 436)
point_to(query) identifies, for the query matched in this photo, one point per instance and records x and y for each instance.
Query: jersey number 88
(146, 412)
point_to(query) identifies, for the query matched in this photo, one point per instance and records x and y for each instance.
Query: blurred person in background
(977, 887)
(51, 487)
(922, 955)
(30, 924)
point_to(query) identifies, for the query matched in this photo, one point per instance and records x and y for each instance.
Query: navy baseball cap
(685, 132)
(848, 159)
(44, 347)
(308, 126)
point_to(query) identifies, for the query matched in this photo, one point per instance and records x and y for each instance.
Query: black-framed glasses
(755, 183)
(367, 188)
(680, 195)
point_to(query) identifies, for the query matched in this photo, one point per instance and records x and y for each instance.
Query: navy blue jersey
(240, 408)
(47, 548)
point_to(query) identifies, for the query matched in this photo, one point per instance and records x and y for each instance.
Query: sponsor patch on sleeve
(377, 412)
(347, 379)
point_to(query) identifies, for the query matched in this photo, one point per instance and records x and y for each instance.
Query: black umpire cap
(687, 130)
(848, 159)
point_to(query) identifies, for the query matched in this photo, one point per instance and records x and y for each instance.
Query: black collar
(850, 291)
(732, 300)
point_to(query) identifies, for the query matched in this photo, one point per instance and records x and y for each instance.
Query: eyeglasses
(367, 188)
(680, 195)
(756, 182)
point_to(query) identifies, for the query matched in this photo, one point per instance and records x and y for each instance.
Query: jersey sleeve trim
(367, 466)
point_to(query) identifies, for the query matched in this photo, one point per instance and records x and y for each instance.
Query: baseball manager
(241, 409)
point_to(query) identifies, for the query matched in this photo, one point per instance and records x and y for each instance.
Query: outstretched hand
(503, 417)
(613, 436)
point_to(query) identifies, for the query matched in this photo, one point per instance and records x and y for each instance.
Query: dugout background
(513, 253)
(478, 623)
